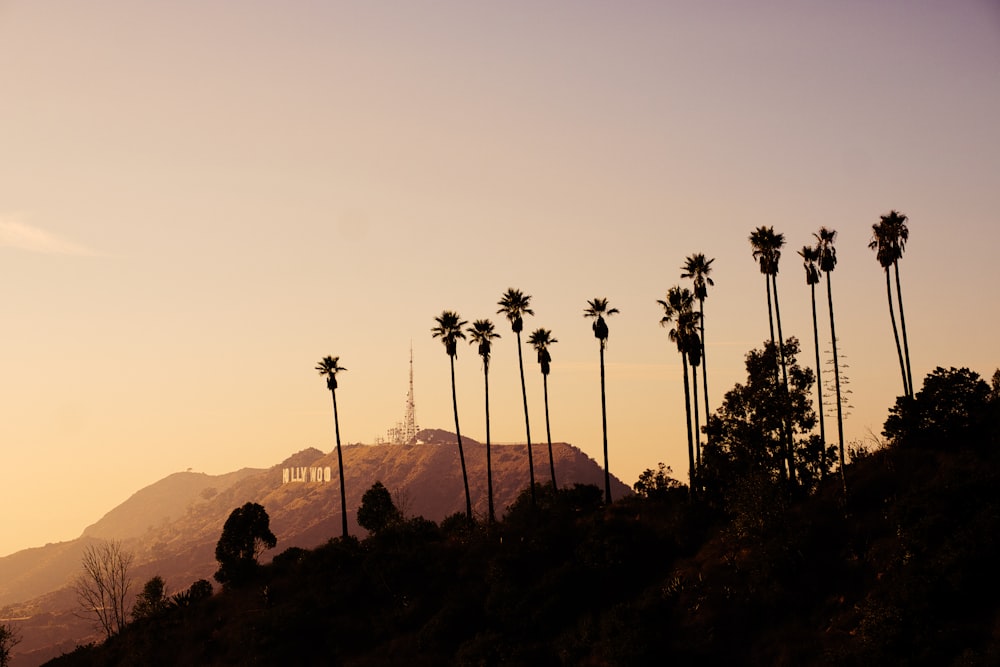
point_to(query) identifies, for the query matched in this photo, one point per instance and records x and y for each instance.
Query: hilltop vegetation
(901, 572)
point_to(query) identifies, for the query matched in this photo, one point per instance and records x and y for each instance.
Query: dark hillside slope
(903, 573)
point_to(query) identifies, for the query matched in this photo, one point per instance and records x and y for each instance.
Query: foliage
(245, 536)
(953, 407)
(659, 485)
(151, 600)
(10, 636)
(377, 511)
(103, 586)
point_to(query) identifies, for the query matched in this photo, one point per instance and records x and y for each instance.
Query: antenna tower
(410, 419)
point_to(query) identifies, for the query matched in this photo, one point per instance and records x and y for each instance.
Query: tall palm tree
(514, 305)
(678, 309)
(481, 333)
(329, 367)
(766, 245)
(810, 257)
(449, 330)
(889, 238)
(540, 339)
(597, 309)
(827, 263)
(697, 268)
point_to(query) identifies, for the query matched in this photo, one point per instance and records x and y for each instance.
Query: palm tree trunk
(704, 364)
(902, 325)
(895, 333)
(527, 427)
(692, 470)
(819, 386)
(836, 382)
(491, 516)
(340, 464)
(604, 427)
(770, 312)
(548, 434)
(789, 445)
(697, 426)
(458, 435)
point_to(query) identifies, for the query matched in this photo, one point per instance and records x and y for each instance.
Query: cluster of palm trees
(687, 332)
(514, 305)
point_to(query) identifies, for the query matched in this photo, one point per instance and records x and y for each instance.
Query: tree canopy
(245, 536)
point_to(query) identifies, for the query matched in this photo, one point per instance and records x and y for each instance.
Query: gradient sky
(199, 200)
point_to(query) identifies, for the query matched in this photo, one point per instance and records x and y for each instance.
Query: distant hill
(172, 526)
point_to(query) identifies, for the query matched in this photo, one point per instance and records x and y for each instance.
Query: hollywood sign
(304, 474)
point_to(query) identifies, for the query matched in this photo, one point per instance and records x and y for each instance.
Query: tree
(597, 309)
(449, 330)
(540, 339)
(245, 536)
(329, 367)
(377, 511)
(827, 263)
(697, 268)
(658, 485)
(889, 237)
(952, 410)
(746, 444)
(766, 245)
(103, 586)
(677, 309)
(151, 600)
(10, 636)
(810, 257)
(481, 334)
(514, 305)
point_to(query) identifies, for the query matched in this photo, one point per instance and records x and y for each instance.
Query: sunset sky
(199, 200)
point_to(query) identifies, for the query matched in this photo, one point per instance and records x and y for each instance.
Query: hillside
(172, 526)
(903, 573)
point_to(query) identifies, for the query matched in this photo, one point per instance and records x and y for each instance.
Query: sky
(200, 200)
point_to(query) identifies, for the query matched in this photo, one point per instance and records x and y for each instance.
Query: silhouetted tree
(677, 310)
(377, 511)
(597, 309)
(10, 636)
(766, 245)
(481, 334)
(827, 263)
(697, 268)
(329, 367)
(747, 441)
(449, 330)
(657, 485)
(540, 339)
(151, 600)
(103, 586)
(245, 536)
(514, 305)
(889, 238)
(951, 410)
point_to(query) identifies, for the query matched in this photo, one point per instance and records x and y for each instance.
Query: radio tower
(404, 432)
(410, 419)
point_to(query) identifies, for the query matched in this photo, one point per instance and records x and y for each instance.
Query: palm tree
(678, 308)
(809, 257)
(540, 339)
(889, 238)
(697, 268)
(514, 305)
(597, 309)
(767, 246)
(827, 263)
(481, 333)
(449, 330)
(330, 366)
